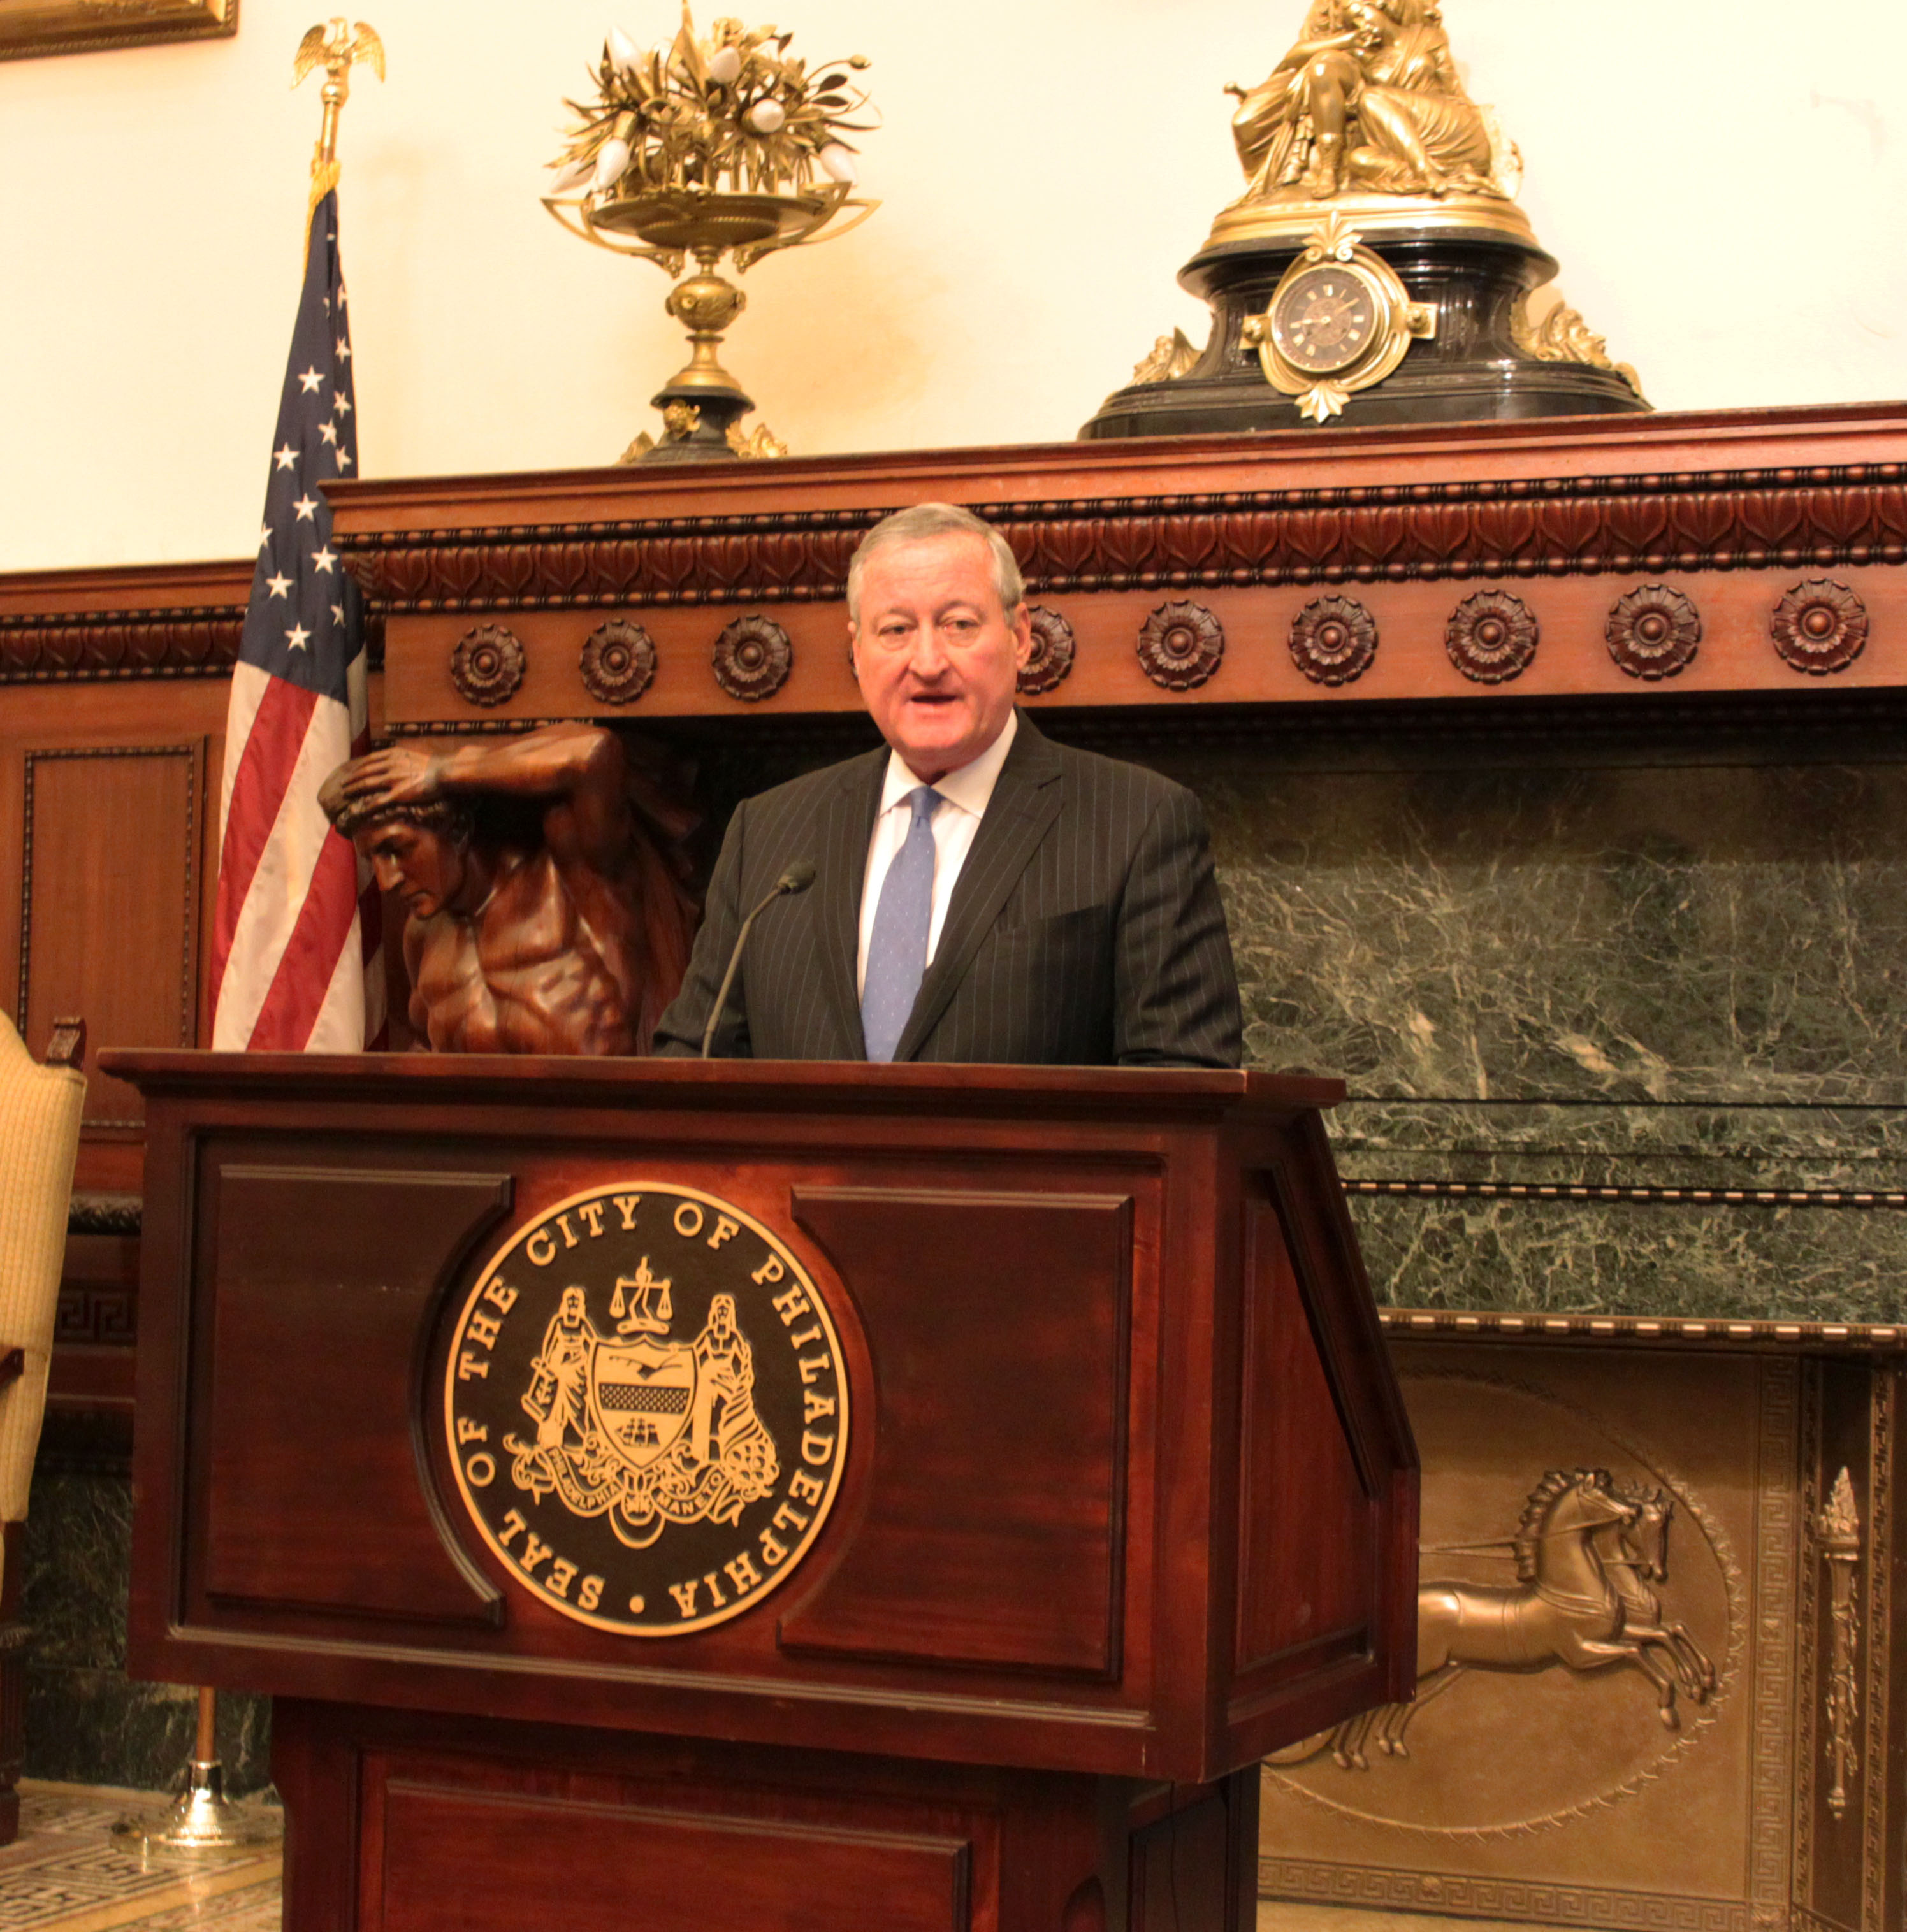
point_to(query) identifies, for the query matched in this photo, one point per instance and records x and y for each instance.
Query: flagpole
(296, 962)
(201, 1818)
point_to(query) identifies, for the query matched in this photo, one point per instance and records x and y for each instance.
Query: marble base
(87, 1722)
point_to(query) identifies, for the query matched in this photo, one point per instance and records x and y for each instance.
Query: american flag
(296, 959)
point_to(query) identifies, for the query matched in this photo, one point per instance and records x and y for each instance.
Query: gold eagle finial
(336, 47)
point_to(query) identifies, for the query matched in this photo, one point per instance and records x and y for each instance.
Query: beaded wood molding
(1748, 551)
(128, 622)
(1521, 527)
(200, 641)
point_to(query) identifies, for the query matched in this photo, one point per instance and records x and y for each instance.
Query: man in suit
(979, 893)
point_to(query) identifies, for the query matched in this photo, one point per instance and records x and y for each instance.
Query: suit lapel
(846, 826)
(1026, 800)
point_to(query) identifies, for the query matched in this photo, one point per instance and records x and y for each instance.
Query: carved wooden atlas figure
(543, 877)
(1587, 1551)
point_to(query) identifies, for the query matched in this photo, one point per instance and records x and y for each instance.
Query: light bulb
(612, 158)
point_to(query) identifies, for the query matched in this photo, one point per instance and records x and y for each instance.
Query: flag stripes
(296, 957)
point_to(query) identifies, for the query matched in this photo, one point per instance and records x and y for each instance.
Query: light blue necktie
(897, 950)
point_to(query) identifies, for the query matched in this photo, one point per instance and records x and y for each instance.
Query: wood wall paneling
(110, 908)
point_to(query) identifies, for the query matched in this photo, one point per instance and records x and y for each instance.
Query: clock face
(1326, 319)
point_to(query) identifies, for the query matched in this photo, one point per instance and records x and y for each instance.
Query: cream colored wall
(1724, 181)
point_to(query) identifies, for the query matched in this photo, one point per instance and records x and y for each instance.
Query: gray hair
(920, 524)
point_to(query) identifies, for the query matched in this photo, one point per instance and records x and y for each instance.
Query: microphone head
(798, 878)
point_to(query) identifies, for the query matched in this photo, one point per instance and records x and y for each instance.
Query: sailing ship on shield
(640, 1427)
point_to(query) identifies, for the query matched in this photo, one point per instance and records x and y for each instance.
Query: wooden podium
(752, 1497)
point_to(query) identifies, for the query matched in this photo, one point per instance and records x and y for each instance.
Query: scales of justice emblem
(645, 1409)
(644, 1431)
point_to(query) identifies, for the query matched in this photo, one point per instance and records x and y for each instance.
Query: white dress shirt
(965, 794)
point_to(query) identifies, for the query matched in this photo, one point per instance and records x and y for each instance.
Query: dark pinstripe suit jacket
(1085, 929)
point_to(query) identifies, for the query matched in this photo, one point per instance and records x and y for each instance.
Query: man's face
(426, 867)
(938, 658)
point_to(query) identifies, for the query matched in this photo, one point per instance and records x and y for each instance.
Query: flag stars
(264, 535)
(337, 614)
(329, 432)
(298, 638)
(311, 380)
(307, 509)
(285, 458)
(341, 403)
(325, 560)
(279, 585)
(344, 350)
(343, 459)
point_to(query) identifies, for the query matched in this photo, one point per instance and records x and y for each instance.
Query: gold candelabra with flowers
(694, 149)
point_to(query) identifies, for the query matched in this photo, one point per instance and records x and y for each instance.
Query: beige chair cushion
(39, 1142)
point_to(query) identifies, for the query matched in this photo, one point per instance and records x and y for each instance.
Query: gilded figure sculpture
(1379, 195)
(1369, 99)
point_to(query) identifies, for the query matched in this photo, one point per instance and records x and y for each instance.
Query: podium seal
(645, 1409)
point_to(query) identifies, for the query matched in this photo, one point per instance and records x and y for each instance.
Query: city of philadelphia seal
(645, 1409)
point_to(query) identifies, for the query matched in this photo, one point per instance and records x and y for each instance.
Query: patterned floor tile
(67, 1872)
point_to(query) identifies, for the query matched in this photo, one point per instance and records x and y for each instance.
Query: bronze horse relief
(1589, 1553)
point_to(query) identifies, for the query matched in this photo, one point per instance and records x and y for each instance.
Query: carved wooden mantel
(1726, 552)
(1451, 542)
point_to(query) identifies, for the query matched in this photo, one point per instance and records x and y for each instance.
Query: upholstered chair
(40, 1109)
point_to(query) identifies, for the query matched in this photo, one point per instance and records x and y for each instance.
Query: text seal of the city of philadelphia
(645, 1409)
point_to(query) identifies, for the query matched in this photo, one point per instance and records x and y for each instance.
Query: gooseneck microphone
(798, 878)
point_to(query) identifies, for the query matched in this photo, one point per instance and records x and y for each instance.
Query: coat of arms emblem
(683, 1391)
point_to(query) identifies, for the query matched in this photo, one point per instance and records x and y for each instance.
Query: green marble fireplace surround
(1659, 954)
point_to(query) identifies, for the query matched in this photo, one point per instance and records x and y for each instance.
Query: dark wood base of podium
(402, 1822)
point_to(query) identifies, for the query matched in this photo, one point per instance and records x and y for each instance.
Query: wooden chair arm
(67, 1046)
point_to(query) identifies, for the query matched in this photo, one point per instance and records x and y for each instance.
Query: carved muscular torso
(545, 965)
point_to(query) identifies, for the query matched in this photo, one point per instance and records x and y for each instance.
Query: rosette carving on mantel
(487, 665)
(1051, 660)
(1181, 645)
(1820, 626)
(1492, 637)
(618, 662)
(1333, 639)
(752, 658)
(1654, 632)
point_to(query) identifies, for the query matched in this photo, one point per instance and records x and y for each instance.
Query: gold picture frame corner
(33, 29)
